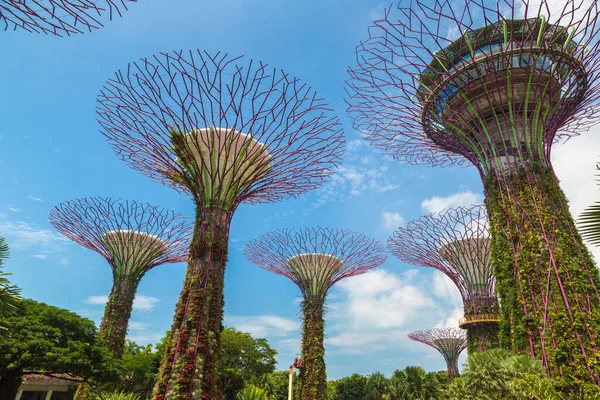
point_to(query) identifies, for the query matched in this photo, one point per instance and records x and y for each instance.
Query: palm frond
(589, 224)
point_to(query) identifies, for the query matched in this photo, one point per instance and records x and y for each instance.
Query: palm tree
(9, 294)
(414, 383)
(377, 386)
(589, 221)
(499, 374)
(252, 393)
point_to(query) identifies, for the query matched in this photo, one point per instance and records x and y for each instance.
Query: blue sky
(51, 151)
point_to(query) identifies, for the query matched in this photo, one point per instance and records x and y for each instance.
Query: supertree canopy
(450, 342)
(58, 17)
(496, 84)
(224, 130)
(315, 259)
(134, 238)
(456, 242)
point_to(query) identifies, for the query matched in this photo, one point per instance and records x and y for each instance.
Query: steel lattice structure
(512, 79)
(58, 17)
(315, 259)
(450, 342)
(133, 237)
(225, 130)
(457, 243)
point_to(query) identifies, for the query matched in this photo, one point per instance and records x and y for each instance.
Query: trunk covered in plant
(314, 377)
(547, 279)
(117, 314)
(188, 369)
(482, 337)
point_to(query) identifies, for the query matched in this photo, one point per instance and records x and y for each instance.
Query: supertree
(134, 238)
(58, 17)
(491, 84)
(456, 242)
(224, 130)
(315, 259)
(450, 342)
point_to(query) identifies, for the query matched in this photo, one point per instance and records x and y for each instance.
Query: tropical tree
(499, 374)
(377, 387)
(139, 367)
(276, 385)
(245, 360)
(350, 388)
(589, 221)
(47, 340)
(414, 383)
(9, 294)
(252, 393)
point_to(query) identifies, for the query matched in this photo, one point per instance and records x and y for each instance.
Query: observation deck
(496, 90)
(469, 320)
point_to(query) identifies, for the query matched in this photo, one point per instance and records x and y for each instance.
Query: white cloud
(147, 338)
(14, 209)
(144, 303)
(452, 320)
(263, 325)
(40, 256)
(21, 234)
(439, 203)
(140, 302)
(391, 220)
(379, 300)
(33, 198)
(64, 261)
(377, 12)
(96, 300)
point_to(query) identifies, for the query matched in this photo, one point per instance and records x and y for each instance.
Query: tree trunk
(117, 314)
(546, 278)
(314, 377)
(192, 352)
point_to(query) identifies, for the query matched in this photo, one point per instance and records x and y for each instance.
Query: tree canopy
(49, 340)
(9, 294)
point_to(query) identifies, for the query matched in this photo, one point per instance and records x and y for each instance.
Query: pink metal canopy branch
(457, 243)
(315, 259)
(58, 17)
(134, 238)
(450, 342)
(225, 130)
(404, 92)
(351, 254)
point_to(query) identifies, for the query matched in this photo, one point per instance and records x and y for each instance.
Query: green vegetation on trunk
(314, 378)
(482, 337)
(546, 278)
(192, 352)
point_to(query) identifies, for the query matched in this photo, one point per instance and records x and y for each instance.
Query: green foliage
(377, 386)
(9, 294)
(589, 221)
(276, 384)
(313, 379)
(535, 236)
(415, 383)
(245, 360)
(252, 393)
(350, 388)
(45, 339)
(499, 374)
(139, 367)
(117, 395)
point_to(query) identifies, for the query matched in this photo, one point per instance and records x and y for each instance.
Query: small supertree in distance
(450, 342)
(134, 238)
(224, 130)
(495, 84)
(58, 17)
(315, 259)
(456, 242)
